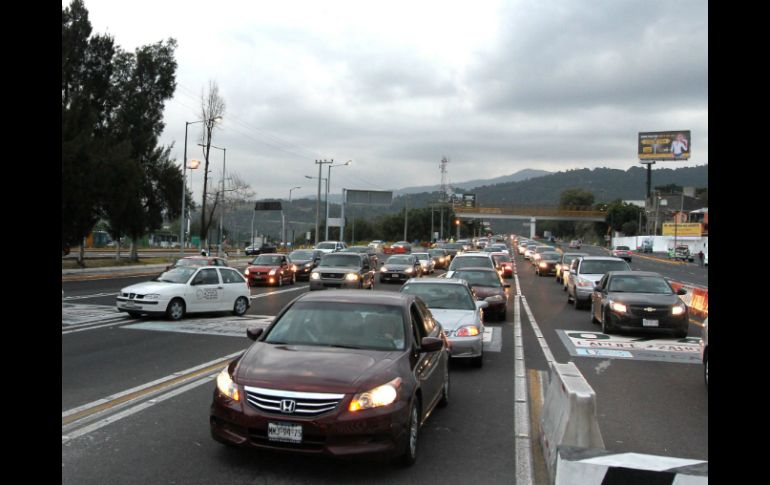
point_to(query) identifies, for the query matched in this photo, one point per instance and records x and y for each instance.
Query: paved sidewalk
(134, 269)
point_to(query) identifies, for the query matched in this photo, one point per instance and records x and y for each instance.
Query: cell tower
(444, 181)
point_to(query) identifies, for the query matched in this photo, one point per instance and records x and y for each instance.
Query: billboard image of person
(665, 145)
(679, 146)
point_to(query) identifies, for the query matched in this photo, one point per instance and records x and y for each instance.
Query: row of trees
(113, 168)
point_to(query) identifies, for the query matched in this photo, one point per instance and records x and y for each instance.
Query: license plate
(649, 323)
(130, 304)
(290, 433)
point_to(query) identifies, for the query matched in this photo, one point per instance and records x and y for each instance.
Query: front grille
(334, 276)
(291, 403)
(657, 313)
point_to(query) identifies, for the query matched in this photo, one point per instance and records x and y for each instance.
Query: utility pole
(406, 214)
(320, 164)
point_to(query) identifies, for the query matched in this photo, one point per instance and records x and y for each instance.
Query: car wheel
(501, 316)
(706, 369)
(413, 433)
(240, 307)
(175, 309)
(445, 389)
(593, 313)
(134, 314)
(478, 362)
(680, 333)
(280, 280)
(294, 278)
(606, 327)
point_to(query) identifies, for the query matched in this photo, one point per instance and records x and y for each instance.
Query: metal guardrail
(533, 211)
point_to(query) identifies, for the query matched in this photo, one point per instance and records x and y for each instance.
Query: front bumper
(395, 276)
(630, 321)
(323, 283)
(380, 431)
(466, 347)
(151, 306)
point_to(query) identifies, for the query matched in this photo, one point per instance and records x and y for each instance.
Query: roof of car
(440, 281)
(356, 296)
(598, 258)
(634, 273)
(475, 268)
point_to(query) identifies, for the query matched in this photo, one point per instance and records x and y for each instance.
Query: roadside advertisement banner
(665, 145)
(683, 229)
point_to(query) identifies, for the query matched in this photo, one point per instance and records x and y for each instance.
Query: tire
(176, 309)
(413, 432)
(240, 306)
(478, 362)
(502, 315)
(680, 334)
(280, 280)
(134, 314)
(294, 278)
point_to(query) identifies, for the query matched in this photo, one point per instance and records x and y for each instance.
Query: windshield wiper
(345, 347)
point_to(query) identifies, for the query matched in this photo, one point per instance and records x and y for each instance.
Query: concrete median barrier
(569, 414)
(584, 466)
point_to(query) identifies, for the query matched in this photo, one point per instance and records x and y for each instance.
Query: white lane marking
(523, 452)
(262, 295)
(540, 338)
(95, 327)
(83, 297)
(112, 397)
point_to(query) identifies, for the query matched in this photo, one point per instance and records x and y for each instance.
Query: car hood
(397, 267)
(487, 291)
(336, 269)
(453, 319)
(262, 267)
(308, 368)
(151, 287)
(644, 298)
(593, 277)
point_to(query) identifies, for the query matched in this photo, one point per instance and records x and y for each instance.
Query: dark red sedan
(271, 269)
(487, 285)
(343, 373)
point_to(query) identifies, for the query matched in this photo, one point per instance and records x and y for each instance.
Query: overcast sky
(495, 86)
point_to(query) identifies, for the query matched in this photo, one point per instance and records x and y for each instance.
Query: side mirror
(431, 344)
(572, 271)
(482, 304)
(506, 285)
(254, 332)
(598, 288)
(681, 291)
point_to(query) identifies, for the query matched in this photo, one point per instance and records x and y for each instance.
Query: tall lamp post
(184, 180)
(284, 231)
(328, 182)
(318, 198)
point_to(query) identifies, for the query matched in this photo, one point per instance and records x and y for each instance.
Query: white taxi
(183, 290)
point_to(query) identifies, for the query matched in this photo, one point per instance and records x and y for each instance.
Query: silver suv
(585, 272)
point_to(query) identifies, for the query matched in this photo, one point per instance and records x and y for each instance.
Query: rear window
(623, 248)
(603, 266)
(341, 259)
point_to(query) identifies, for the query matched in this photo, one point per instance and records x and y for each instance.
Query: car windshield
(341, 260)
(550, 256)
(356, 249)
(336, 324)
(176, 275)
(471, 261)
(192, 262)
(479, 278)
(422, 256)
(436, 252)
(501, 258)
(399, 260)
(442, 296)
(300, 255)
(568, 258)
(622, 248)
(453, 246)
(267, 260)
(326, 246)
(640, 284)
(602, 266)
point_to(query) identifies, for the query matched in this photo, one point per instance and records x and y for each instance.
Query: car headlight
(679, 309)
(467, 331)
(315, 276)
(152, 296)
(383, 269)
(351, 277)
(246, 272)
(308, 265)
(408, 270)
(294, 267)
(272, 272)
(379, 396)
(226, 385)
(618, 307)
(543, 264)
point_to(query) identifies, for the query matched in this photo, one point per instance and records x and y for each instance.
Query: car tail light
(467, 331)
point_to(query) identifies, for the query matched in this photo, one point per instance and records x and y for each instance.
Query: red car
(198, 261)
(401, 247)
(271, 269)
(504, 264)
(623, 252)
(337, 373)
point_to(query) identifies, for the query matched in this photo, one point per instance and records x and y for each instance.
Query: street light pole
(282, 221)
(222, 214)
(320, 164)
(184, 186)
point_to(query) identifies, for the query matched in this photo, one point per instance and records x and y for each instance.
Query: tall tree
(212, 108)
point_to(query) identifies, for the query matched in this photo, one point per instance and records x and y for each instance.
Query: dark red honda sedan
(342, 373)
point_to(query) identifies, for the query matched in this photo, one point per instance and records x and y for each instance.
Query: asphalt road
(656, 407)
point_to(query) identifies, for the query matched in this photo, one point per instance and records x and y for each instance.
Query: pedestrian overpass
(531, 214)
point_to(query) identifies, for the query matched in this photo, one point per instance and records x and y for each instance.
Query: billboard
(268, 206)
(683, 229)
(369, 197)
(665, 145)
(469, 200)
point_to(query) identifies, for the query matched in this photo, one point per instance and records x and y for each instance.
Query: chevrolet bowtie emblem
(649, 309)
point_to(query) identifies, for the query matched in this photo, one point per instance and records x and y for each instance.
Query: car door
(428, 365)
(206, 291)
(234, 286)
